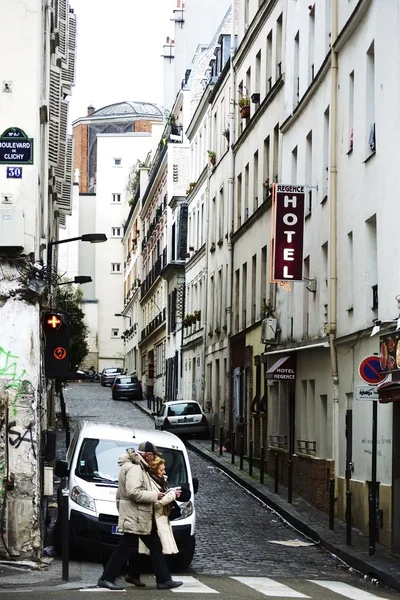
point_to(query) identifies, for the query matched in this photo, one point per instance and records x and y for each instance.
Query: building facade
(36, 195)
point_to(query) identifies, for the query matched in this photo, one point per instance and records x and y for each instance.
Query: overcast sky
(119, 47)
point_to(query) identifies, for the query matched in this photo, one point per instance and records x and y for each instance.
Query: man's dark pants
(128, 549)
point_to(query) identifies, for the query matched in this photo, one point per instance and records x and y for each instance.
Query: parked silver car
(108, 375)
(127, 387)
(182, 417)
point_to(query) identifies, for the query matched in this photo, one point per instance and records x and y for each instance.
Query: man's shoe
(134, 581)
(110, 585)
(168, 585)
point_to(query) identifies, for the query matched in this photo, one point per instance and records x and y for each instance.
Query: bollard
(213, 438)
(154, 404)
(65, 532)
(276, 481)
(241, 451)
(233, 449)
(262, 464)
(331, 503)
(290, 481)
(221, 439)
(348, 517)
(251, 457)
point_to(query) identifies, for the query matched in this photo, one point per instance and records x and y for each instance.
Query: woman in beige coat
(162, 509)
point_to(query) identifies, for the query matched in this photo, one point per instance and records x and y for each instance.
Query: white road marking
(269, 587)
(98, 589)
(190, 584)
(344, 589)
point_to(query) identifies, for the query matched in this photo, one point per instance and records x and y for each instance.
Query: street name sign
(15, 147)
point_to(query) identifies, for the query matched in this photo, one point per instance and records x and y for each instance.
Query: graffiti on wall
(10, 370)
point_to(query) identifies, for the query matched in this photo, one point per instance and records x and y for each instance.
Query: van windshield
(98, 461)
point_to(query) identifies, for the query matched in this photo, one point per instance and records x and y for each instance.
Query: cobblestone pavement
(234, 530)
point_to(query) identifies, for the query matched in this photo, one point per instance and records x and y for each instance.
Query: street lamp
(126, 317)
(77, 279)
(93, 238)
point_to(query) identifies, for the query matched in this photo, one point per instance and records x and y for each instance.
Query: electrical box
(12, 227)
(268, 330)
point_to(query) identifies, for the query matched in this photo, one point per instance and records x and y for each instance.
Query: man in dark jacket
(135, 500)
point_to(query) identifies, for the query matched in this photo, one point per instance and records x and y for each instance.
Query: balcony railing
(153, 325)
(278, 441)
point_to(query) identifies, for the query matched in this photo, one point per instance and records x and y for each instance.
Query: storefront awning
(389, 392)
(283, 369)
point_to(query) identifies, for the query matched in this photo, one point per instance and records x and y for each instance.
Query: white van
(92, 468)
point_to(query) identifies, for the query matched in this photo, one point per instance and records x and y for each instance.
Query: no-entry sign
(370, 370)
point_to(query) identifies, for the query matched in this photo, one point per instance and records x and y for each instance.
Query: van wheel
(185, 558)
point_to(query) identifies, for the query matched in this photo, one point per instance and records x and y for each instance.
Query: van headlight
(83, 499)
(186, 510)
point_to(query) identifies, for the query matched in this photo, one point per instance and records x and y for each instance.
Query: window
(351, 110)
(311, 43)
(296, 67)
(309, 173)
(115, 231)
(114, 333)
(116, 198)
(268, 69)
(117, 162)
(370, 100)
(115, 267)
(159, 360)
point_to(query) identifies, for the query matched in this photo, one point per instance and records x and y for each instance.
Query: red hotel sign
(287, 258)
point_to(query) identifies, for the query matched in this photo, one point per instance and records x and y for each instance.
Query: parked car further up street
(182, 417)
(127, 387)
(92, 468)
(108, 375)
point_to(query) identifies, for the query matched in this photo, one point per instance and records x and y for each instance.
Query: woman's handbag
(175, 511)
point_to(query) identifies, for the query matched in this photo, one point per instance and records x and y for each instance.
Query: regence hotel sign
(288, 232)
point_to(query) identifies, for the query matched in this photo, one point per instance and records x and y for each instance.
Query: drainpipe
(206, 287)
(231, 182)
(332, 240)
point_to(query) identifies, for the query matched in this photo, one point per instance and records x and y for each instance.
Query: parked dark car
(128, 387)
(108, 375)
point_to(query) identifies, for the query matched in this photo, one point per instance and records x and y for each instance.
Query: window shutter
(54, 114)
(182, 232)
(62, 222)
(65, 202)
(68, 71)
(62, 26)
(62, 140)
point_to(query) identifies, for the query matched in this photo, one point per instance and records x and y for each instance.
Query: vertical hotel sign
(288, 232)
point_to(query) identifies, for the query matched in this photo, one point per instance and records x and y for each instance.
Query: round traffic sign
(60, 353)
(370, 370)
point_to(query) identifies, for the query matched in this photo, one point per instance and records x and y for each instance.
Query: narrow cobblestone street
(234, 531)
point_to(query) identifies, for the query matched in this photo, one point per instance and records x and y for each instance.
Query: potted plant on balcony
(187, 321)
(244, 104)
(212, 157)
(226, 134)
(197, 314)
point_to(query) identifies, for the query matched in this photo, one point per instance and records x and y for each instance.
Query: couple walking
(142, 500)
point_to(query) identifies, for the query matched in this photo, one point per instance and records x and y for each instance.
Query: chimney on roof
(90, 110)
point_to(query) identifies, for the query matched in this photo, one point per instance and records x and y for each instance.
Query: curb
(374, 567)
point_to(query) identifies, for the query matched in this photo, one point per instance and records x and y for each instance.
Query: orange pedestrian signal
(56, 346)
(54, 322)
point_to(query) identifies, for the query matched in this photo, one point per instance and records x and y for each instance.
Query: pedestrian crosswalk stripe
(269, 587)
(190, 584)
(344, 589)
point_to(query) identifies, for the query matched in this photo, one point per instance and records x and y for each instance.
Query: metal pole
(251, 457)
(373, 495)
(331, 503)
(233, 449)
(221, 439)
(213, 438)
(262, 464)
(65, 532)
(348, 518)
(276, 482)
(241, 451)
(67, 432)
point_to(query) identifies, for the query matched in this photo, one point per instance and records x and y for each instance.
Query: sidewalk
(305, 518)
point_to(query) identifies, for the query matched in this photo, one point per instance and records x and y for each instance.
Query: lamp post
(126, 317)
(93, 238)
(77, 279)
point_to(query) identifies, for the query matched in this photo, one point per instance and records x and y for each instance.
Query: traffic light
(55, 325)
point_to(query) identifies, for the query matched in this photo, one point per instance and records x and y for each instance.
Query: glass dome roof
(127, 108)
